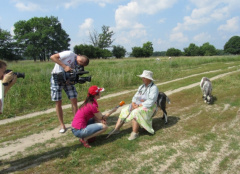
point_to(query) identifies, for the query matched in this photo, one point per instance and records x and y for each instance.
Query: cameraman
(65, 61)
(9, 79)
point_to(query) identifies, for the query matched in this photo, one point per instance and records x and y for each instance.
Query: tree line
(40, 37)
(231, 47)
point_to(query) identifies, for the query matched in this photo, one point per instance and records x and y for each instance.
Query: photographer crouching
(68, 66)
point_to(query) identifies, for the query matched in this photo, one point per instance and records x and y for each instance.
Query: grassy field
(33, 93)
(199, 138)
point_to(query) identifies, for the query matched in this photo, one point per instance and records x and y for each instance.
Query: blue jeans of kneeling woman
(91, 128)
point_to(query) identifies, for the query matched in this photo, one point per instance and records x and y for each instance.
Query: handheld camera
(18, 74)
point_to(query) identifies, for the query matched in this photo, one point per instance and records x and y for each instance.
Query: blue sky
(165, 23)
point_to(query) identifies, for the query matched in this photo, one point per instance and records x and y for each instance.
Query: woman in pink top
(89, 122)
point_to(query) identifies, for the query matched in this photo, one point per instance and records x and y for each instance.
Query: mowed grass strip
(205, 137)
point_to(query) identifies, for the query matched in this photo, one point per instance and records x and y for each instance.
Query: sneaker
(85, 143)
(62, 130)
(114, 131)
(133, 136)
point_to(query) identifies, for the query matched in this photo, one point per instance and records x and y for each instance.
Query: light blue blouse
(151, 91)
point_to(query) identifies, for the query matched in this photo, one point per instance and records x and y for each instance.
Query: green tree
(105, 53)
(191, 50)
(220, 52)
(88, 50)
(159, 53)
(91, 51)
(102, 40)
(232, 46)
(137, 52)
(207, 50)
(147, 49)
(5, 42)
(173, 52)
(8, 47)
(41, 37)
(119, 51)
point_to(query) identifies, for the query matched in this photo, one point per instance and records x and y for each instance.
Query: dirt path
(11, 148)
(79, 103)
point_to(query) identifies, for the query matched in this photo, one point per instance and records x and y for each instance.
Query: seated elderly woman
(141, 109)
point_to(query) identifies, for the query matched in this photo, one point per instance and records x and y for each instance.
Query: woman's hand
(134, 105)
(103, 121)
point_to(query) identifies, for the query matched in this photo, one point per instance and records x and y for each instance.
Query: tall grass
(33, 92)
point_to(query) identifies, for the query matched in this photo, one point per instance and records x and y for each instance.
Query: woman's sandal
(85, 143)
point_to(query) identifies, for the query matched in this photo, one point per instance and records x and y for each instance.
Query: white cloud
(137, 33)
(127, 16)
(75, 3)
(28, 6)
(160, 21)
(101, 4)
(131, 31)
(72, 3)
(178, 37)
(202, 38)
(204, 3)
(153, 6)
(206, 11)
(200, 12)
(221, 13)
(232, 25)
(86, 27)
(190, 24)
(162, 45)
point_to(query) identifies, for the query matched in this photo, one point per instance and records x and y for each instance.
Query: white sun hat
(147, 74)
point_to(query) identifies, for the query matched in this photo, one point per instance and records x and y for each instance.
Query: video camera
(72, 77)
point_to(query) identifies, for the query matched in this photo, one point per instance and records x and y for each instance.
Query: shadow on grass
(158, 124)
(214, 98)
(36, 160)
(63, 152)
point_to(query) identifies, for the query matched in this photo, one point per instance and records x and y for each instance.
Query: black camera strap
(75, 63)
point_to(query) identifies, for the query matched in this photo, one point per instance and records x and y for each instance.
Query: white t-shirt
(66, 57)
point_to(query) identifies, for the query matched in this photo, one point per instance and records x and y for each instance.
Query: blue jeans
(91, 128)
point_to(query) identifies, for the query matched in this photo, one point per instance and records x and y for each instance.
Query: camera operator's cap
(93, 90)
(147, 74)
